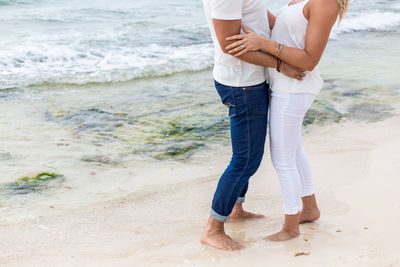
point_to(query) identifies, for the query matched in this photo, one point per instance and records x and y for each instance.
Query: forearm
(259, 58)
(294, 56)
(224, 29)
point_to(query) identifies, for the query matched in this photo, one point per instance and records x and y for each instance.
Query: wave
(13, 2)
(62, 65)
(375, 21)
(123, 50)
(5, 3)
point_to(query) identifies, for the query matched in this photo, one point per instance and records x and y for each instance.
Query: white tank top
(290, 30)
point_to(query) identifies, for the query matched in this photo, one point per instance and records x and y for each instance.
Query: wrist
(266, 45)
(271, 46)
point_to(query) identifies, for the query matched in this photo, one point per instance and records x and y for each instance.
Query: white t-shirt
(229, 70)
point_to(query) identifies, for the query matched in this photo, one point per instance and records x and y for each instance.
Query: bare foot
(309, 215)
(310, 210)
(290, 229)
(283, 235)
(244, 215)
(214, 235)
(239, 214)
(219, 240)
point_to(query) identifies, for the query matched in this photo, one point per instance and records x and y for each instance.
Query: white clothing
(290, 30)
(229, 70)
(288, 157)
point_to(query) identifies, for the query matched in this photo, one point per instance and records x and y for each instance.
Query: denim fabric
(248, 110)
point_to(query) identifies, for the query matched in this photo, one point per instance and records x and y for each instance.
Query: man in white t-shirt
(242, 85)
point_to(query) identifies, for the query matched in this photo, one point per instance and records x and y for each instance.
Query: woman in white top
(300, 32)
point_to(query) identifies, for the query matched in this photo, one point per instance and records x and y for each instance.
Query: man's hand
(292, 72)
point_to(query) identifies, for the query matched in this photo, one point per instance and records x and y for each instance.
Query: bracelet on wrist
(279, 50)
(278, 65)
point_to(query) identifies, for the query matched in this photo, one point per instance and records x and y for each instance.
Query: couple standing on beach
(278, 54)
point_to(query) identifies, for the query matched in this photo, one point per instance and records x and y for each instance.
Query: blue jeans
(248, 110)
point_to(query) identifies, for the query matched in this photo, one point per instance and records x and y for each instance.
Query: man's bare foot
(283, 235)
(309, 215)
(244, 215)
(219, 240)
(214, 235)
(238, 214)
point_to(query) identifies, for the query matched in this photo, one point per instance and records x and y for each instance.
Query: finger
(236, 37)
(235, 44)
(236, 50)
(244, 51)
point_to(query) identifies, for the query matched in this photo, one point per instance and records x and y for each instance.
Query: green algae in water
(101, 160)
(190, 128)
(176, 129)
(181, 137)
(322, 112)
(369, 112)
(26, 184)
(174, 134)
(5, 156)
(174, 151)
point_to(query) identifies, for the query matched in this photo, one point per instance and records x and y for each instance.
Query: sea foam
(375, 21)
(69, 47)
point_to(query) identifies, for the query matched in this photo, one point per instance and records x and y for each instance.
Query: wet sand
(356, 171)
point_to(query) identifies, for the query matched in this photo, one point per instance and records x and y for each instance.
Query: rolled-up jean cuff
(218, 217)
(240, 200)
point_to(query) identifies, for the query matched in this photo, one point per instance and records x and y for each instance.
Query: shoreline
(162, 228)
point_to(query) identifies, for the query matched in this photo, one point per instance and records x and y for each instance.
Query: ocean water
(118, 96)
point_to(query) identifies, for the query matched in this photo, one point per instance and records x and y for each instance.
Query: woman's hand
(250, 41)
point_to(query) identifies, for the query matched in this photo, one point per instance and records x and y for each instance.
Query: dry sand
(356, 171)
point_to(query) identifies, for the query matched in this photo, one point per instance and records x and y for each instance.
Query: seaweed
(90, 119)
(369, 112)
(164, 135)
(26, 184)
(101, 160)
(322, 112)
(5, 156)
(173, 151)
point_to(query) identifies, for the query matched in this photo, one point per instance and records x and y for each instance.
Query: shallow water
(119, 98)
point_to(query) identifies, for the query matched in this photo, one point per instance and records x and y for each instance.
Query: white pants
(288, 157)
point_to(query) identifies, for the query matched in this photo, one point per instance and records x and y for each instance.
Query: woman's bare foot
(214, 235)
(283, 235)
(310, 210)
(290, 229)
(238, 214)
(309, 215)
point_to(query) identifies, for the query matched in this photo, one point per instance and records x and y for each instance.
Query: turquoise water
(118, 96)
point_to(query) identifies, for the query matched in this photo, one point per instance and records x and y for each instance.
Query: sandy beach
(356, 170)
(113, 138)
